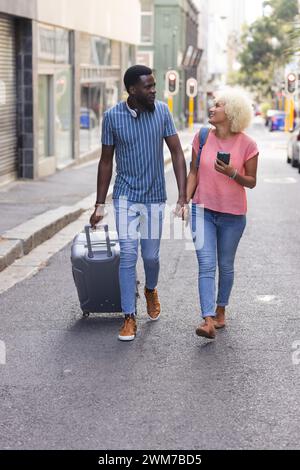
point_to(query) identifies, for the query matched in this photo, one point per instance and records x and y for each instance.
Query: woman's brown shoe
(219, 320)
(207, 329)
(219, 325)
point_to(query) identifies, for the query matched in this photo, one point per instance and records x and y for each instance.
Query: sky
(253, 9)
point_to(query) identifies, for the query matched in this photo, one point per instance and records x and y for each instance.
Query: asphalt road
(68, 383)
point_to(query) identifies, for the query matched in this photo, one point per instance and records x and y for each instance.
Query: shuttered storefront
(8, 125)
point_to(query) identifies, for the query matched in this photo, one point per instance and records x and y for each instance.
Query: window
(101, 51)
(147, 22)
(95, 50)
(63, 116)
(53, 45)
(45, 115)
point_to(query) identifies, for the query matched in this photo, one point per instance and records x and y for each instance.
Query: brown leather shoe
(219, 320)
(207, 329)
(153, 305)
(128, 330)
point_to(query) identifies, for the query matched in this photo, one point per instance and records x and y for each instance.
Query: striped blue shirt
(139, 151)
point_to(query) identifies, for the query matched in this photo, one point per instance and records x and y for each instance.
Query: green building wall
(169, 45)
(169, 41)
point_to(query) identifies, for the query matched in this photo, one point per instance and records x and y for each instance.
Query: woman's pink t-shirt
(216, 191)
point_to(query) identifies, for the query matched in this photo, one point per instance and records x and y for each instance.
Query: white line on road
(296, 353)
(265, 298)
(2, 353)
(287, 180)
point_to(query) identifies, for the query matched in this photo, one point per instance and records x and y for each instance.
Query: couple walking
(135, 130)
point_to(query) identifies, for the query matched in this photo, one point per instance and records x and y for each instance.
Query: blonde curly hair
(238, 108)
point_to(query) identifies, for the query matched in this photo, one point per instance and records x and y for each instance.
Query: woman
(220, 189)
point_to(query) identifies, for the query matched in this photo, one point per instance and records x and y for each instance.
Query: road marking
(265, 298)
(296, 353)
(287, 180)
(2, 353)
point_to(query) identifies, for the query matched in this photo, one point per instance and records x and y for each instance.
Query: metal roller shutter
(8, 123)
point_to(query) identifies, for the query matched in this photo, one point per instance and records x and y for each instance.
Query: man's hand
(97, 215)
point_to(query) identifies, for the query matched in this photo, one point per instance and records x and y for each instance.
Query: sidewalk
(33, 211)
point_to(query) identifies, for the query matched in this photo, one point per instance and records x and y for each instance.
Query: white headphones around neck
(134, 112)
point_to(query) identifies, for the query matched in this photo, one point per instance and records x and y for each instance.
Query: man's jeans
(136, 221)
(221, 236)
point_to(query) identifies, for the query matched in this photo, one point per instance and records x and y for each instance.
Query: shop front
(8, 119)
(55, 98)
(99, 87)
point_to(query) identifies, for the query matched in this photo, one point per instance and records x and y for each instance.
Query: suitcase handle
(87, 229)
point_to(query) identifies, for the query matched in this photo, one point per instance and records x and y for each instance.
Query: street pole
(292, 108)
(170, 103)
(191, 112)
(286, 110)
(289, 114)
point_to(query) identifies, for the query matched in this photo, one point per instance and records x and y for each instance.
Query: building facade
(61, 67)
(169, 41)
(202, 73)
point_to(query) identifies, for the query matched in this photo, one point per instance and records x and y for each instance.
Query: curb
(21, 240)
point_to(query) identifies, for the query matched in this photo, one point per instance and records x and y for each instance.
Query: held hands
(221, 167)
(182, 210)
(97, 215)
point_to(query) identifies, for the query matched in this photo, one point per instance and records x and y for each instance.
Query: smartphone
(224, 157)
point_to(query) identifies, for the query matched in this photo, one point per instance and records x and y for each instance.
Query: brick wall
(25, 126)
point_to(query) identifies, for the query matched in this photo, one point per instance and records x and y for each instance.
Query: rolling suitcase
(95, 258)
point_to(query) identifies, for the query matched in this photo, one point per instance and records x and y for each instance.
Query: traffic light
(291, 83)
(191, 87)
(172, 82)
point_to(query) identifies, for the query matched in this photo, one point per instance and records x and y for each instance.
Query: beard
(149, 106)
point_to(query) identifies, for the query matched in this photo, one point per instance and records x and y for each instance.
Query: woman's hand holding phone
(221, 166)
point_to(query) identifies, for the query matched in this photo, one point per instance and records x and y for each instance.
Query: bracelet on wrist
(99, 204)
(233, 176)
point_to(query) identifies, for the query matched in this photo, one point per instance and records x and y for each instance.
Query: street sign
(191, 87)
(172, 82)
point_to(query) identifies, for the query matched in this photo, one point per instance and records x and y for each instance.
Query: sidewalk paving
(34, 211)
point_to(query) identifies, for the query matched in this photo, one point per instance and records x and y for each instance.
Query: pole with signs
(191, 91)
(191, 112)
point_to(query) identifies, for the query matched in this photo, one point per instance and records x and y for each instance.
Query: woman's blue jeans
(136, 222)
(219, 235)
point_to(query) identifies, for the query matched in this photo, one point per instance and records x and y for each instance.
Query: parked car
(293, 149)
(277, 121)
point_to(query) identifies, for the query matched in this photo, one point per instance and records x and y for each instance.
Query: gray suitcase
(95, 258)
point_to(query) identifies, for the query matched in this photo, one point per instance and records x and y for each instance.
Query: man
(135, 130)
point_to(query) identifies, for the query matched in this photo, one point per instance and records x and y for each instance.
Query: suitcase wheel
(85, 314)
